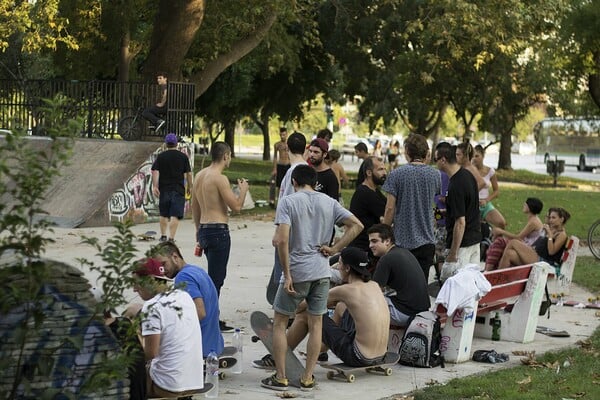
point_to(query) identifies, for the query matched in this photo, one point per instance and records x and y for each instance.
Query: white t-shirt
(179, 365)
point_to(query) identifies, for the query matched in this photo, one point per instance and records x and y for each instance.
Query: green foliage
(26, 299)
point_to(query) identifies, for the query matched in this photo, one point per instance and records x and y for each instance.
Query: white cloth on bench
(462, 289)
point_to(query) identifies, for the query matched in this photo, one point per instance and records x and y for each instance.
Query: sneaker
(275, 383)
(225, 328)
(323, 357)
(160, 124)
(266, 362)
(307, 386)
(163, 238)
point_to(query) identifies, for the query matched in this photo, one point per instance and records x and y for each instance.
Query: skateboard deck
(226, 358)
(551, 332)
(345, 372)
(148, 235)
(272, 289)
(581, 304)
(263, 327)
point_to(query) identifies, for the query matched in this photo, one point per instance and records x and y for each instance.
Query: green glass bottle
(496, 324)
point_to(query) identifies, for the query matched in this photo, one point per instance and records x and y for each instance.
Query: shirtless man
(281, 160)
(212, 194)
(358, 332)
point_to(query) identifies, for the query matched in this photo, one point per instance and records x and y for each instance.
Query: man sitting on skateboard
(358, 332)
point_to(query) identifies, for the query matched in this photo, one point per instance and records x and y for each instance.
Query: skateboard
(226, 361)
(345, 372)
(271, 289)
(551, 332)
(148, 235)
(263, 327)
(581, 304)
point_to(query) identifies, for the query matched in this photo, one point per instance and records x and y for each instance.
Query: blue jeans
(216, 243)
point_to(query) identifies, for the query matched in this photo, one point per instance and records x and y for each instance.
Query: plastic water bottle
(212, 374)
(238, 343)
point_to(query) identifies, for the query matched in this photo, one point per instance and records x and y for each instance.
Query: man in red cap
(171, 334)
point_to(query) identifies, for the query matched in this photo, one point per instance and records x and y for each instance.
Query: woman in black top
(548, 247)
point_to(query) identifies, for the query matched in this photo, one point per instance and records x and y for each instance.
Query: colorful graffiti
(135, 200)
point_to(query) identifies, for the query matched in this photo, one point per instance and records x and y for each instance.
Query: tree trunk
(504, 161)
(230, 135)
(175, 27)
(594, 80)
(266, 139)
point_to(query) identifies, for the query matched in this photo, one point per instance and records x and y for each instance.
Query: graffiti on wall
(134, 200)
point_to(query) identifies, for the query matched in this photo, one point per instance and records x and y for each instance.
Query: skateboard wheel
(330, 375)
(223, 363)
(351, 378)
(222, 376)
(388, 371)
(255, 339)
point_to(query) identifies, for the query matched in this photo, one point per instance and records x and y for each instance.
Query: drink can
(198, 250)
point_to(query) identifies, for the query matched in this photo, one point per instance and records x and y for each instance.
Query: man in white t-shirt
(171, 334)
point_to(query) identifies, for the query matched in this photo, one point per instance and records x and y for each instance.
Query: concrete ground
(244, 292)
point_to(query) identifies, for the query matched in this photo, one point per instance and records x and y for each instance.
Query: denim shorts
(314, 292)
(171, 204)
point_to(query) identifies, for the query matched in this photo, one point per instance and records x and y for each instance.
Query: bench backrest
(506, 283)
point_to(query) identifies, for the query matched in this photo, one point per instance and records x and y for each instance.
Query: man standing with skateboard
(303, 252)
(358, 332)
(212, 194)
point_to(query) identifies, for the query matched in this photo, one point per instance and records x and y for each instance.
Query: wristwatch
(550, 239)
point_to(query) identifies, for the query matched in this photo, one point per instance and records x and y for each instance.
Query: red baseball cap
(151, 267)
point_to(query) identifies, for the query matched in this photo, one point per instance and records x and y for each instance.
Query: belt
(217, 226)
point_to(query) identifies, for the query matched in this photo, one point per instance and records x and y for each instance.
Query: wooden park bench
(516, 295)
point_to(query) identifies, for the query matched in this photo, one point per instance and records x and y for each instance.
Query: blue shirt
(198, 284)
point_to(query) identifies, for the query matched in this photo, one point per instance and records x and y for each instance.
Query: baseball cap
(151, 267)
(320, 143)
(171, 138)
(356, 259)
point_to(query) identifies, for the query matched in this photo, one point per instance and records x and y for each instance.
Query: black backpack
(421, 342)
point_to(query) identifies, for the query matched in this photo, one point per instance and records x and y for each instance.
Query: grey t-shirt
(311, 216)
(286, 187)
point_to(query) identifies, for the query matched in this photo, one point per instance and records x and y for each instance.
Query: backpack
(421, 341)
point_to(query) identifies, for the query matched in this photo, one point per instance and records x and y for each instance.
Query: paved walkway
(244, 291)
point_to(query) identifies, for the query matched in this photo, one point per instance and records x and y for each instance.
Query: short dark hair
(325, 134)
(282, 129)
(305, 175)
(334, 155)
(218, 150)
(369, 164)
(385, 231)
(162, 73)
(535, 205)
(296, 143)
(446, 150)
(416, 146)
(361, 147)
(165, 249)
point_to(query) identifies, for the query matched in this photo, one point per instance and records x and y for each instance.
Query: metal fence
(101, 104)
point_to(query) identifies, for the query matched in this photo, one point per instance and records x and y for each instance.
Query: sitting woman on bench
(548, 248)
(528, 235)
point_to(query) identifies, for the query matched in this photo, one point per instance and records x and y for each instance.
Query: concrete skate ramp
(79, 196)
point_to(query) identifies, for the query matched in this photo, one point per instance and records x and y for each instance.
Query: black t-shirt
(368, 206)
(171, 164)
(463, 201)
(327, 183)
(400, 270)
(360, 178)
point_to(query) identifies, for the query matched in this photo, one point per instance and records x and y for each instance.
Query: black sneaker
(163, 238)
(275, 383)
(225, 328)
(307, 386)
(323, 357)
(266, 362)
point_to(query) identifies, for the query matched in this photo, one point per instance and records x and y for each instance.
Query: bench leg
(457, 336)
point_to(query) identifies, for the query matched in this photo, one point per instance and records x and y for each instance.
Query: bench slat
(506, 291)
(506, 275)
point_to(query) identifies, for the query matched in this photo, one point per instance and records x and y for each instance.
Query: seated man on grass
(358, 332)
(171, 334)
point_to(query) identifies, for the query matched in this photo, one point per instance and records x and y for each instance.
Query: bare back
(210, 193)
(366, 304)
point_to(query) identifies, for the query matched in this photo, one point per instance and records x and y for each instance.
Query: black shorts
(281, 170)
(171, 204)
